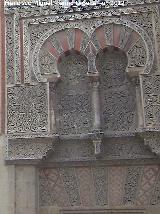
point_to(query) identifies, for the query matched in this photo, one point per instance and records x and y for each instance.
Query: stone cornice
(30, 11)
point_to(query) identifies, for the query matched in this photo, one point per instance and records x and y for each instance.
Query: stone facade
(79, 109)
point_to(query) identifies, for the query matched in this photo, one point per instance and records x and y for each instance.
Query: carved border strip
(17, 49)
(26, 56)
(57, 8)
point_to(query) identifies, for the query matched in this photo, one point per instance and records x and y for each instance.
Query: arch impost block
(135, 71)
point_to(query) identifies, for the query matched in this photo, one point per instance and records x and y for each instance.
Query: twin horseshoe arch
(118, 33)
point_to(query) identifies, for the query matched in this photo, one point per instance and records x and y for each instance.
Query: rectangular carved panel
(88, 187)
(27, 109)
(151, 100)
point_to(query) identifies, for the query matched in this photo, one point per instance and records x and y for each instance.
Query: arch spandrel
(124, 38)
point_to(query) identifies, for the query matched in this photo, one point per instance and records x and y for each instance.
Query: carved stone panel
(27, 109)
(10, 49)
(151, 96)
(92, 186)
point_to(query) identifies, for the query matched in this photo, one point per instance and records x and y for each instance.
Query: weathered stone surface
(27, 109)
(92, 186)
(102, 66)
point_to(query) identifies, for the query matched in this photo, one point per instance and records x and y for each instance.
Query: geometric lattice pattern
(146, 185)
(79, 186)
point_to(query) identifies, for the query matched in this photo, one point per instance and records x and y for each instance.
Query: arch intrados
(71, 52)
(67, 53)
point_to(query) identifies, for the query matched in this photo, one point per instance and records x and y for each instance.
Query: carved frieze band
(89, 186)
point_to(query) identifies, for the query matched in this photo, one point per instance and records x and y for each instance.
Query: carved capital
(96, 137)
(55, 78)
(94, 77)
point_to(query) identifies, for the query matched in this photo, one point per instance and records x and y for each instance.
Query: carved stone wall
(83, 105)
(63, 50)
(96, 186)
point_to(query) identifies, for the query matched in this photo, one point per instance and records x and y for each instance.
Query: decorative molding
(79, 186)
(113, 149)
(59, 19)
(27, 149)
(102, 210)
(57, 8)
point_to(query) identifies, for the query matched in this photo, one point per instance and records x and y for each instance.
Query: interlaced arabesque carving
(151, 94)
(36, 33)
(71, 185)
(118, 95)
(144, 20)
(117, 100)
(155, 199)
(157, 32)
(73, 104)
(60, 9)
(45, 23)
(27, 109)
(86, 186)
(131, 184)
(27, 149)
(123, 33)
(137, 55)
(100, 175)
(47, 63)
(10, 49)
